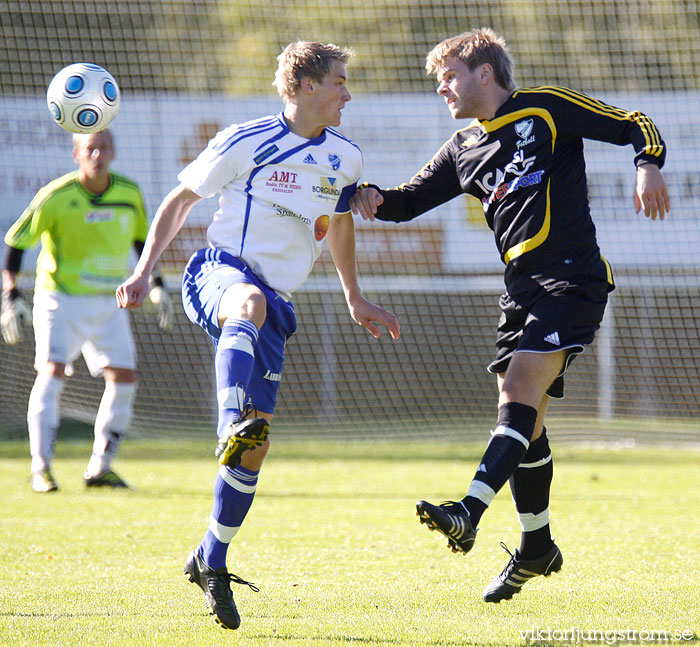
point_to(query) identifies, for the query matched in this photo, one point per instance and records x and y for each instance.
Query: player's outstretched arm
(650, 192)
(168, 220)
(341, 242)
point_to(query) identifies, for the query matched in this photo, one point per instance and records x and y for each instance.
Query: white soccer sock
(111, 424)
(43, 418)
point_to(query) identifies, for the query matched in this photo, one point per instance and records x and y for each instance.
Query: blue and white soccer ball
(83, 98)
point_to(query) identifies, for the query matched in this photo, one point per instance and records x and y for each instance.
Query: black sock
(530, 485)
(509, 443)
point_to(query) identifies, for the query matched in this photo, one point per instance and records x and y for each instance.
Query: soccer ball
(83, 98)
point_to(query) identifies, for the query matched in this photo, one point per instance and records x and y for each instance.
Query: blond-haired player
(283, 183)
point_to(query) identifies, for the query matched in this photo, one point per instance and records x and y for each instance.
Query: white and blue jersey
(278, 192)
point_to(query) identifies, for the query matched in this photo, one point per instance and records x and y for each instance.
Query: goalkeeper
(87, 222)
(521, 155)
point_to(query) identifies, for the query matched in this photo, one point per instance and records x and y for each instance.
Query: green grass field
(334, 545)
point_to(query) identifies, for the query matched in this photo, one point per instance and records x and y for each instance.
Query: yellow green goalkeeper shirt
(85, 238)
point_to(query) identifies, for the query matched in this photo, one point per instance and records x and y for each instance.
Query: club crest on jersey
(523, 129)
(326, 188)
(334, 160)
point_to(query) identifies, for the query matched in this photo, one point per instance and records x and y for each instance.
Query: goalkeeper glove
(15, 315)
(160, 298)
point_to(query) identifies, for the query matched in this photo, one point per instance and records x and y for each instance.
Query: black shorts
(564, 316)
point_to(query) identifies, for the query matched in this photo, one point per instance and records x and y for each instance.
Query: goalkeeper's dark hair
(474, 48)
(306, 59)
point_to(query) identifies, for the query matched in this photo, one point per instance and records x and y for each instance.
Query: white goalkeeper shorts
(66, 325)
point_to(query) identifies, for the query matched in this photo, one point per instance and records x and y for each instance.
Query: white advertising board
(157, 135)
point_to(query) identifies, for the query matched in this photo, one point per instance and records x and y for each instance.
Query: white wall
(398, 134)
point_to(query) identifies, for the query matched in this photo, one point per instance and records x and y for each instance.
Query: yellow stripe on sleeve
(651, 134)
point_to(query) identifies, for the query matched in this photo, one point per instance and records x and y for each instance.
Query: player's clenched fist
(132, 292)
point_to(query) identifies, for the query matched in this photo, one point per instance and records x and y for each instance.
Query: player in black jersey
(522, 157)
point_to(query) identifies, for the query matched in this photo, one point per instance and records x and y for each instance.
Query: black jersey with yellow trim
(526, 166)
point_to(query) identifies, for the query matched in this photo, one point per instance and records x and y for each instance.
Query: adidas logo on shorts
(553, 338)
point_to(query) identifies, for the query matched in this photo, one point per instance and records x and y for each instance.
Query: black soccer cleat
(217, 590)
(241, 436)
(452, 520)
(519, 571)
(108, 478)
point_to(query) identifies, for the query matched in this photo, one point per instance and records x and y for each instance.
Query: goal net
(187, 69)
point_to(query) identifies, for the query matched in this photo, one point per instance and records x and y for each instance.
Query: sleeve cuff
(368, 185)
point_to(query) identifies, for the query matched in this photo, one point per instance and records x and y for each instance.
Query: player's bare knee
(528, 377)
(243, 301)
(120, 375)
(515, 389)
(54, 369)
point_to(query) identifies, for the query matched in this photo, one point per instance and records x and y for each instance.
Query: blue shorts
(207, 276)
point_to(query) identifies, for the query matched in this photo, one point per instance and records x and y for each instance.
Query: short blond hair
(305, 58)
(473, 48)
